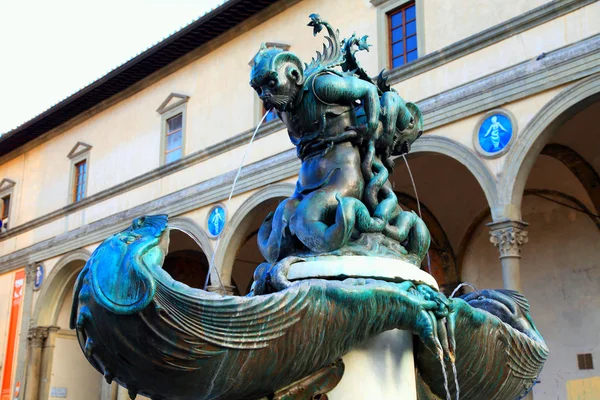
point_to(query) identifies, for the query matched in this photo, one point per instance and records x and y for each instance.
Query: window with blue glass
(174, 143)
(402, 24)
(78, 190)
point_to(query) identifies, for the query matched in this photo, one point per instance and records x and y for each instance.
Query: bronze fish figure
(160, 338)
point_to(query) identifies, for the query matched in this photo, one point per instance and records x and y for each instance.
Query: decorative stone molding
(30, 270)
(521, 23)
(172, 101)
(79, 149)
(540, 129)
(37, 335)
(508, 236)
(571, 62)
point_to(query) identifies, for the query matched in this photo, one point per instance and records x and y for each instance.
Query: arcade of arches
(559, 267)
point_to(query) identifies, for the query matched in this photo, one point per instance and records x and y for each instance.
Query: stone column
(36, 339)
(46, 364)
(508, 236)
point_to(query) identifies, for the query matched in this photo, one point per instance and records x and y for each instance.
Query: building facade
(506, 175)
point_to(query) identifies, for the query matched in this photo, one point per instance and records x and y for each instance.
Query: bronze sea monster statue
(342, 266)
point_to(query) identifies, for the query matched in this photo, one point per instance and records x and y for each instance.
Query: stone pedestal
(383, 368)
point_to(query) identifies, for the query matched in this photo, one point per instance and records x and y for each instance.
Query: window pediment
(173, 100)
(6, 184)
(78, 150)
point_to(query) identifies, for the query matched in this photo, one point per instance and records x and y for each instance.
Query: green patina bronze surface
(163, 339)
(345, 128)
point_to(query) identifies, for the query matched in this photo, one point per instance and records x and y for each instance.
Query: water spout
(211, 266)
(461, 285)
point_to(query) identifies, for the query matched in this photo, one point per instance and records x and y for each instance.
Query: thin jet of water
(239, 171)
(448, 397)
(461, 285)
(418, 205)
(455, 379)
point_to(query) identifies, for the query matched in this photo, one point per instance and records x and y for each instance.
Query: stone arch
(536, 134)
(446, 273)
(234, 232)
(192, 229)
(579, 167)
(52, 293)
(466, 157)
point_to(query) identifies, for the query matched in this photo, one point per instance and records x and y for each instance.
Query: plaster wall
(525, 46)
(561, 279)
(126, 137)
(450, 21)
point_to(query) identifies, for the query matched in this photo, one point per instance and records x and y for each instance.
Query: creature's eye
(272, 83)
(480, 298)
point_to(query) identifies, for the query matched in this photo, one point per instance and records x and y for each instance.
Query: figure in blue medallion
(495, 133)
(216, 221)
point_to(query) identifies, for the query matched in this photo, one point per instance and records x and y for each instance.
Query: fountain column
(509, 236)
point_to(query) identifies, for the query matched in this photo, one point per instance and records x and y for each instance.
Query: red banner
(17, 299)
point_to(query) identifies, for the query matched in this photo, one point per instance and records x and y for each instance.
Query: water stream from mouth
(211, 266)
(448, 396)
(418, 205)
(461, 285)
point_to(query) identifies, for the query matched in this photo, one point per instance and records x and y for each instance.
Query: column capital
(30, 273)
(37, 335)
(508, 236)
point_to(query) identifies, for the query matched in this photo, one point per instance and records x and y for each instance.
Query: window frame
(75, 189)
(166, 113)
(76, 158)
(7, 189)
(168, 133)
(384, 32)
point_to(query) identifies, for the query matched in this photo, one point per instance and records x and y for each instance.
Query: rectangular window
(5, 206)
(174, 140)
(4, 209)
(79, 181)
(585, 361)
(402, 28)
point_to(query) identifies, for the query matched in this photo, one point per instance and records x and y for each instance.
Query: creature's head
(147, 237)
(510, 306)
(277, 77)
(411, 130)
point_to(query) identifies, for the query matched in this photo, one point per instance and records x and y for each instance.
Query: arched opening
(451, 197)
(248, 257)
(63, 364)
(560, 273)
(238, 256)
(185, 261)
(70, 369)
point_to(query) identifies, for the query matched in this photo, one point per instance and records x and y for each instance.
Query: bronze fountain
(310, 304)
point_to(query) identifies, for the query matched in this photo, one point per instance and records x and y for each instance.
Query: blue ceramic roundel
(216, 221)
(39, 276)
(495, 133)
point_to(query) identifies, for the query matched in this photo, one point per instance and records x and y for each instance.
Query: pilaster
(35, 339)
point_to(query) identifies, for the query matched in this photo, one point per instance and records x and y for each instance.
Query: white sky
(49, 49)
